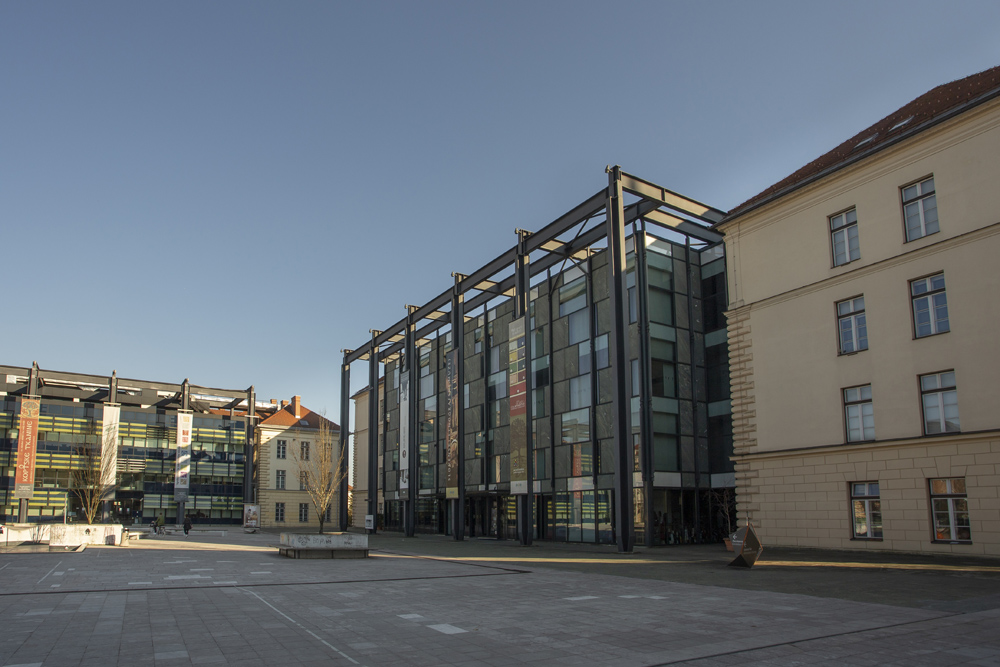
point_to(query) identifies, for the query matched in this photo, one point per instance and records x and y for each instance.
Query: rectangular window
(303, 480)
(601, 350)
(920, 209)
(951, 510)
(867, 510)
(573, 296)
(579, 392)
(582, 460)
(303, 512)
(579, 326)
(279, 512)
(279, 479)
(305, 451)
(326, 515)
(852, 325)
(930, 306)
(575, 426)
(939, 400)
(281, 450)
(859, 414)
(844, 235)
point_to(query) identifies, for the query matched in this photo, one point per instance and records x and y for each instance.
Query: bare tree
(94, 476)
(320, 468)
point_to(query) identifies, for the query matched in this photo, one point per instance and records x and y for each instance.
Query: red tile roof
(285, 417)
(932, 107)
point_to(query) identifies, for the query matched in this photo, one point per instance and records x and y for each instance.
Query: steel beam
(668, 221)
(670, 199)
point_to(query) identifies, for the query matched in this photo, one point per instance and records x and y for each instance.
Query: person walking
(187, 525)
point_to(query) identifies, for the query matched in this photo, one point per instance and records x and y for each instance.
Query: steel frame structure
(510, 276)
(106, 390)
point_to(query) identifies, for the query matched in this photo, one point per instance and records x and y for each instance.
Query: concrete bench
(327, 545)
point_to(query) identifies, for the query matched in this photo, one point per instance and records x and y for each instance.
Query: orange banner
(27, 442)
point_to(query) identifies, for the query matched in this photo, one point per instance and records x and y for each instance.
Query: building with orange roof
(285, 440)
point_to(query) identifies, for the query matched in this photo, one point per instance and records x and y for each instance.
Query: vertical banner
(109, 449)
(451, 424)
(27, 442)
(182, 469)
(404, 431)
(517, 378)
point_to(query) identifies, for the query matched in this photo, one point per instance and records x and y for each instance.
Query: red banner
(27, 442)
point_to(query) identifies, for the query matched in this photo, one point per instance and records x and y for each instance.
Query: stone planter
(326, 545)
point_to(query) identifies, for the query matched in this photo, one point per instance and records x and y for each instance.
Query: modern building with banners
(863, 328)
(171, 450)
(575, 388)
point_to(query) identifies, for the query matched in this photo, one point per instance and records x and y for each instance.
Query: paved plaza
(432, 601)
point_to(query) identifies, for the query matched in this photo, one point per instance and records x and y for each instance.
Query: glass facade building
(678, 448)
(71, 420)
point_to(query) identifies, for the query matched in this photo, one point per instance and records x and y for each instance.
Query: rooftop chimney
(284, 404)
(297, 406)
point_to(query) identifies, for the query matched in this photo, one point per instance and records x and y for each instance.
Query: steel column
(22, 506)
(373, 424)
(619, 358)
(522, 301)
(345, 434)
(646, 384)
(410, 356)
(458, 344)
(185, 405)
(692, 342)
(248, 446)
(106, 505)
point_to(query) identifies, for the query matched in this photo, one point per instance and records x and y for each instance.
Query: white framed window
(939, 403)
(859, 414)
(920, 209)
(279, 512)
(303, 512)
(866, 511)
(279, 479)
(304, 451)
(852, 324)
(950, 507)
(281, 449)
(303, 480)
(844, 237)
(930, 306)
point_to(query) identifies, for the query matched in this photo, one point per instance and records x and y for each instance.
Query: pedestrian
(187, 525)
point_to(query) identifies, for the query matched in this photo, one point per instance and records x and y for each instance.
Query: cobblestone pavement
(433, 601)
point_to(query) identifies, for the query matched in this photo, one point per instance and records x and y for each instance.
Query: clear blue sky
(235, 191)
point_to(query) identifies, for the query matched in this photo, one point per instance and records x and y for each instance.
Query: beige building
(863, 330)
(291, 435)
(360, 458)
